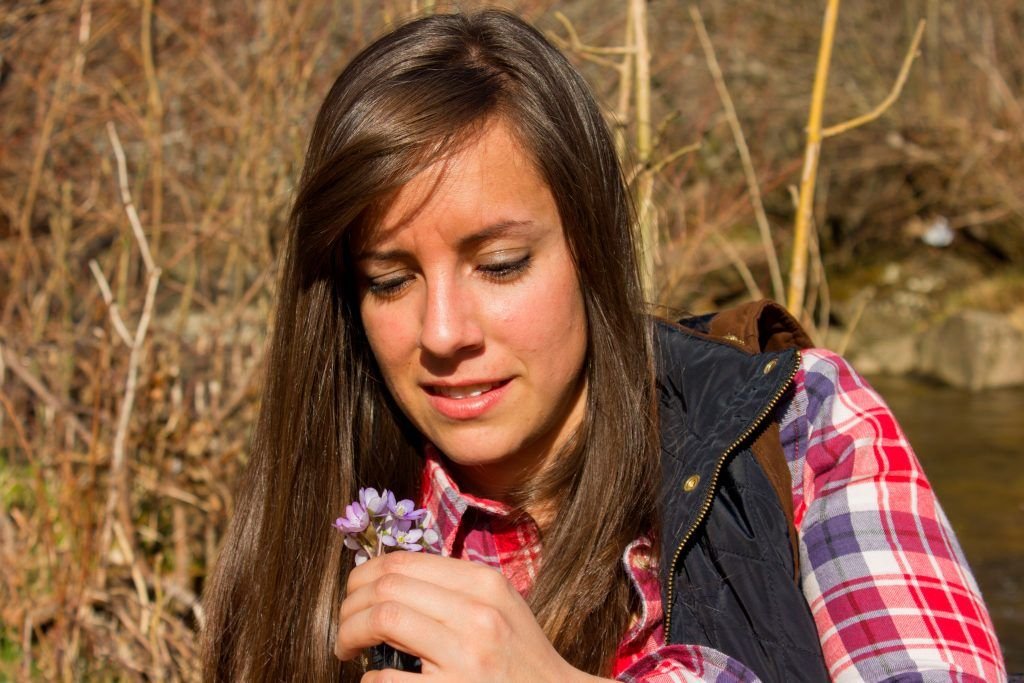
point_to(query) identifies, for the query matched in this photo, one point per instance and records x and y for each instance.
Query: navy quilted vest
(726, 562)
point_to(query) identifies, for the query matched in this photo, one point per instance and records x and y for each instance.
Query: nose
(450, 321)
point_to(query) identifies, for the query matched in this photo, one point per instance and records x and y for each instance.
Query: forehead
(492, 178)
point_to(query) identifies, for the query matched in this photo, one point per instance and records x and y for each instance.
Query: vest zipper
(667, 610)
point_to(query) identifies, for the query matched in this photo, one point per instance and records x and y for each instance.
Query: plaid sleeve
(685, 664)
(887, 583)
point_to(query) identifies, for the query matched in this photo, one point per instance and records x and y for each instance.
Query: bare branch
(108, 297)
(126, 198)
(897, 88)
(753, 186)
(134, 360)
(672, 156)
(737, 261)
(808, 175)
(577, 45)
(8, 359)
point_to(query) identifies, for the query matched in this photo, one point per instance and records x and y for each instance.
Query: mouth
(466, 401)
(463, 391)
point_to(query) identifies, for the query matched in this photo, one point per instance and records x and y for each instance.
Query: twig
(84, 32)
(625, 89)
(108, 297)
(153, 122)
(134, 360)
(1000, 85)
(189, 599)
(979, 217)
(10, 360)
(137, 579)
(654, 169)
(644, 137)
(18, 430)
(672, 156)
(241, 390)
(206, 55)
(739, 265)
(741, 145)
(577, 45)
(824, 294)
(844, 343)
(26, 248)
(644, 145)
(894, 93)
(136, 342)
(812, 151)
(126, 198)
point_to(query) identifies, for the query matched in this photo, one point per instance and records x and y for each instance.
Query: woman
(460, 317)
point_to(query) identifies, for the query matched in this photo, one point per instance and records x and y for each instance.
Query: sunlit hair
(327, 424)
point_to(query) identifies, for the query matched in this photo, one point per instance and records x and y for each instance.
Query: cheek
(547, 321)
(389, 337)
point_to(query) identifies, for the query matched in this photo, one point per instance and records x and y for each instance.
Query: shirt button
(691, 483)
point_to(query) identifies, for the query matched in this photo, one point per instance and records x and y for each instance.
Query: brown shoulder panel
(760, 326)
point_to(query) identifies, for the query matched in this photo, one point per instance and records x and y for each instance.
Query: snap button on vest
(691, 483)
(770, 365)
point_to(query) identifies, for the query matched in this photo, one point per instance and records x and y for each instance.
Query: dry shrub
(213, 118)
(101, 564)
(952, 145)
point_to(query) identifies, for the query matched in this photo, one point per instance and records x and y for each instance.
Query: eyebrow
(467, 243)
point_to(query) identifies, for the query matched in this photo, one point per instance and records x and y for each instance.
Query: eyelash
(390, 287)
(507, 270)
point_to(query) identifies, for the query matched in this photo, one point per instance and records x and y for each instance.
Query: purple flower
(355, 520)
(407, 540)
(379, 522)
(374, 502)
(405, 509)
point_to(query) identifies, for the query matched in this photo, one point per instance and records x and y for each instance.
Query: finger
(433, 600)
(456, 575)
(399, 625)
(396, 588)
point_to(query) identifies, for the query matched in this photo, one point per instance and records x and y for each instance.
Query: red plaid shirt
(886, 581)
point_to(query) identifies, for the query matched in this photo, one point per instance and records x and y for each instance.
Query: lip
(469, 407)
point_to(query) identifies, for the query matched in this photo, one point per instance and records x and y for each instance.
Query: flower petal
(416, 514)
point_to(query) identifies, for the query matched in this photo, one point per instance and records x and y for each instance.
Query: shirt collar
(448, 505)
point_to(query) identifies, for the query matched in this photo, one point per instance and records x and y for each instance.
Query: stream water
(972, 448)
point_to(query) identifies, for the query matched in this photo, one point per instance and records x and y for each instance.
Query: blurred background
(148, 152)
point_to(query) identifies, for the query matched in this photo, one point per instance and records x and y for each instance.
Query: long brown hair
(327, 424)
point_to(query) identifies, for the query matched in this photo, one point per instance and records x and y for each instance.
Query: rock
(896, 355)
(974, 350)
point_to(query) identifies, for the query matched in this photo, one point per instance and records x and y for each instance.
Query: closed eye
(390, 285)
(506, 270)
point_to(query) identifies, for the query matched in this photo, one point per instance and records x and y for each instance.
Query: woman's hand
(464, 621)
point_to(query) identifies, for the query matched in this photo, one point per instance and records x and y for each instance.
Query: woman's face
(472, 307)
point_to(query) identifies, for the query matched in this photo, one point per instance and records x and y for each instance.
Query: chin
(484, 452)
(473, 454)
